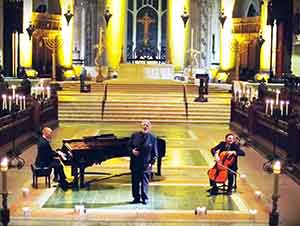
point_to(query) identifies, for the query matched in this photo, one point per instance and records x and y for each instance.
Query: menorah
(53, 44)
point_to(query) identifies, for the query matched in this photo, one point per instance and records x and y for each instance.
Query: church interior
(91, 71)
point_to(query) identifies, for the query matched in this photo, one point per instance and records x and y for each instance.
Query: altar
(145, 72)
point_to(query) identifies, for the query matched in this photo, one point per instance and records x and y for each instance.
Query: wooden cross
(146, 20)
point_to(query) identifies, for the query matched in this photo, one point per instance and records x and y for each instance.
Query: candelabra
(275, 109)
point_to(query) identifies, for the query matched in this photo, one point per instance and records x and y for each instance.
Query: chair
(40, 172)
(223, 186)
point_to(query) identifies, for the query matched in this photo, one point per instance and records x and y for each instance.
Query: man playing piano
(143, 153)
(46, 157)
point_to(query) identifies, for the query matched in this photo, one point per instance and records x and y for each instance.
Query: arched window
(252, 12)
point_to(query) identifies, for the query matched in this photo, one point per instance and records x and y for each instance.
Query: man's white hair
(146, 121)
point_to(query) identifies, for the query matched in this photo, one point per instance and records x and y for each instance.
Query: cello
(219, 172)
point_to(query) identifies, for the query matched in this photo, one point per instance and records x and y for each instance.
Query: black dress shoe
(145, 201)
(229, 192)
(135, 201)
(213, 191)
(65, 185)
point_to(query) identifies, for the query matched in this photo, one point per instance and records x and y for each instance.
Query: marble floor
(174, 195)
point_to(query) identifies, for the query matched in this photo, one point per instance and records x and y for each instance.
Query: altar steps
(134, 102)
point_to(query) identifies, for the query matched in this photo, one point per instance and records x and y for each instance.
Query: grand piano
(82, 153)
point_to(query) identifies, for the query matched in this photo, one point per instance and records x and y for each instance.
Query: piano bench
(40, 172)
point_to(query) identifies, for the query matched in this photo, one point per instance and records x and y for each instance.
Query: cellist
(232, 148)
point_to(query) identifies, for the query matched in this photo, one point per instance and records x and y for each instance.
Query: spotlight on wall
(30, 29)
(185, 17)
(222, 18)
(68, 15)
(107, 15)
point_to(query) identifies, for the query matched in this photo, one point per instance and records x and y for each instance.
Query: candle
(21, 105)
(267, 106)
(248, 94)
(258, 194)
(17, 99)
(281, 107)
(43, 92)
(9, 103)
(277, 96)
(4, 102)
(25, 192)
(287, 108)
(26, 211)
(24, 102)
(271, 103)
(13, 91)
(4, 168)
(48, 92)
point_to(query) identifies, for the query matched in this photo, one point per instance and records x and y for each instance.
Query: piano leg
(159, 166)
(75, 177)
(81, 174)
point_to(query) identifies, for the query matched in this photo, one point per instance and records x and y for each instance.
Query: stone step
(134, 102)
(201, 121)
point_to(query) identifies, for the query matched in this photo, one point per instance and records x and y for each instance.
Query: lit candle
(281, 107)
(21, 105)
(13, 91)
(17, 99)
(4, 168)
(271, 103)
(9, 103)
(277, 96)
(248, 94)
(25, 192)
(24, 102)
(276, 172)
(287, 108)
(48, 92)
(267, 106)
(4, 102)
(43, 92)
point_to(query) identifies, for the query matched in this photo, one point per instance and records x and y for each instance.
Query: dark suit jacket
(147, 145)
(233, 147)
(45, 153)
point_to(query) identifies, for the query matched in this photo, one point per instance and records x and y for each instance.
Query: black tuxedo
(46, 158)
(140, 166)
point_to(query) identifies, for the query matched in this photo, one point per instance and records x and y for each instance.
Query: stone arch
(243, 7)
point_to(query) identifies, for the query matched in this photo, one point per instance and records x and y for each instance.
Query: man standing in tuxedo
(143, 153)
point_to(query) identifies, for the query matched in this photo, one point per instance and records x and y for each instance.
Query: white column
(159, 26)
(82, 29)
(134, 26)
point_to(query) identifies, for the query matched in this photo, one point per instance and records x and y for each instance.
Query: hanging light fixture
(68, 15)
(185, 17)
(107, 15)
(222, 18)
(30, 29)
